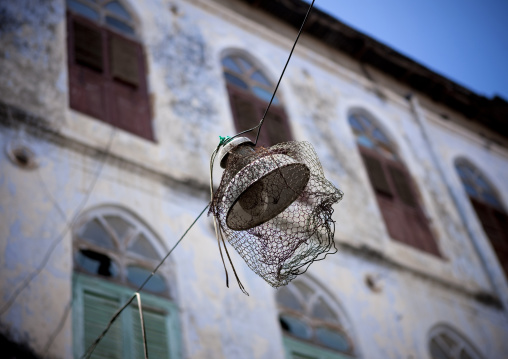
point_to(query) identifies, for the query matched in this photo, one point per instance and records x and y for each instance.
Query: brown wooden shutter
(88, 46)
(393, 215)
(277, 128)
(501, 247)
(403, 218)
(245, 113)
(124, 60)
(487, 219)
(376, 174)
(87, 78)
(495, 225)
(129, 94)
(117, 93)
(401, 182)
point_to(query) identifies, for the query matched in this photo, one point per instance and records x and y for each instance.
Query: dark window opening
(96, 263)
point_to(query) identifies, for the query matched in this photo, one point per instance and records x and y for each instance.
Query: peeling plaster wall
(165, 184)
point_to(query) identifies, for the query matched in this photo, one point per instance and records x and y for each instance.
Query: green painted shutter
(98, 309)
(297, 349)
(95, 302)
(298, 356)
(156, 332)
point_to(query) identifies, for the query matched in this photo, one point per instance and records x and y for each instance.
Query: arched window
(250, 91)
(446, 343)
(311, 323)
(113, 254)
(107, 74)
(394, 188)
(488, 208)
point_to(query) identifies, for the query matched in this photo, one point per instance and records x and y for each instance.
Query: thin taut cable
(258, 127)
(284, 70)
(68, 225)
(97, 340)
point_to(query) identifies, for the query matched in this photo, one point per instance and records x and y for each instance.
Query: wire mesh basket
(274, 206)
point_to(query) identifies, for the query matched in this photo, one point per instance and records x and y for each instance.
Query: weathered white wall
(165, 184)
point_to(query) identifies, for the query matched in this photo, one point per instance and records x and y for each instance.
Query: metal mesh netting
(274, 206)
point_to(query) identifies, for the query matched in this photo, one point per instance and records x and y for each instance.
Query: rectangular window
(107, 77)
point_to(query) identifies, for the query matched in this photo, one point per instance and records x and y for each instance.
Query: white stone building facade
(91, 204)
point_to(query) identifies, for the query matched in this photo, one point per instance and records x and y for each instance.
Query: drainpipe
(494, 274)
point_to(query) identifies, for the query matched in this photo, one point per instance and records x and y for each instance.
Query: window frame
(121, 254)
(390, 201)
(492, 219)
(82, 283)
(463, 344)
(298, 346)
(107, 103)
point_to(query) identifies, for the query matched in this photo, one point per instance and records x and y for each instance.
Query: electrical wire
(260, 124)
(92, 346)
(224, 141)
(10, 301)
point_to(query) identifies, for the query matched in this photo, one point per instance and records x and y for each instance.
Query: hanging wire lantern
(274, 206)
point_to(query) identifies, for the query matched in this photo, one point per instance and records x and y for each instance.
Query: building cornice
(491, 113)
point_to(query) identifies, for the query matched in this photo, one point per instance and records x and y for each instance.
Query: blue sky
(464, 40)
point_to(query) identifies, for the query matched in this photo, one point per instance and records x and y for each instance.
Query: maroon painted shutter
(495, 225)
(129, 97)
(416, 226)
(501, 247)
(107, 77)
(393, 216)
(87, 77)
(277, 128)
(88, 46)
(401, 182)
(245, 113)
(124, 60)
(402, 215)
(390, 210)
(376, 174)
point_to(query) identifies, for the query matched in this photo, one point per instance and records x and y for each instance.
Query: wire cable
(92, 346)
(260, 124)
(10, 301)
